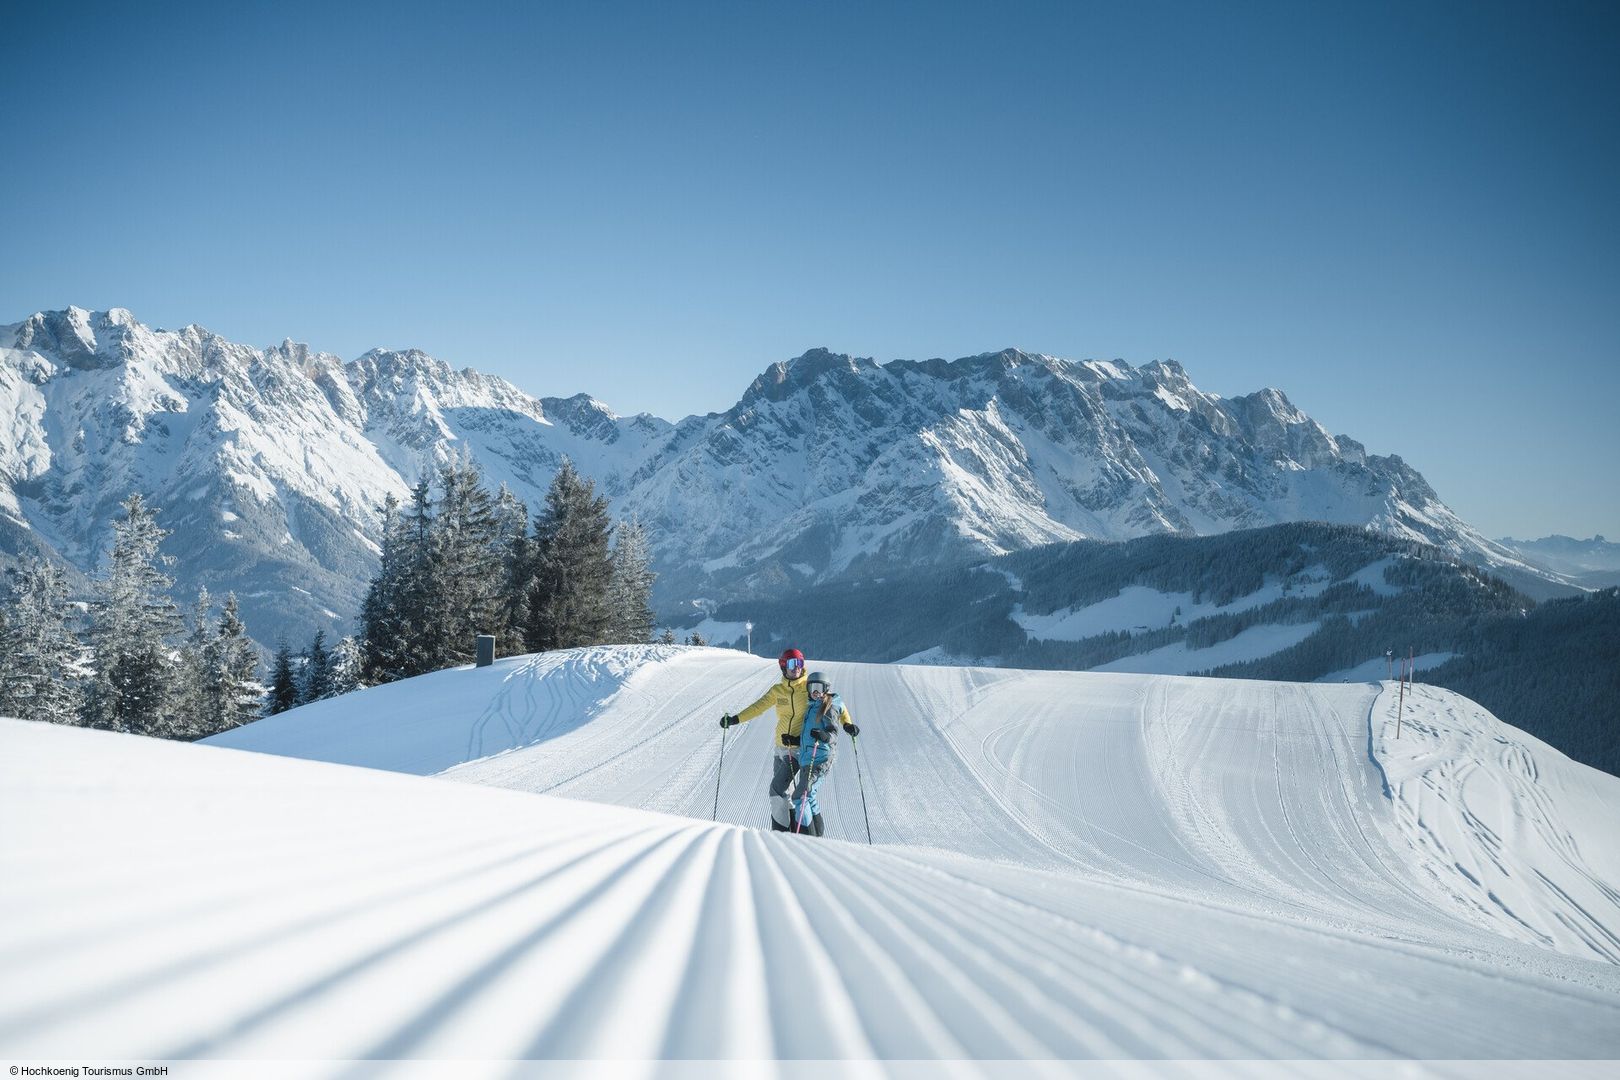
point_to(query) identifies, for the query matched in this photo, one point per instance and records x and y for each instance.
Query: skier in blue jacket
(817, 748)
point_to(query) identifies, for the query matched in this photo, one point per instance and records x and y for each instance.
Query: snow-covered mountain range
(269, 464)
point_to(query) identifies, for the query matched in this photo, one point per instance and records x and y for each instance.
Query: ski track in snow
(1065, 866)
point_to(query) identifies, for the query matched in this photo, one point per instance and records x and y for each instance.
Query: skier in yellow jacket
(792, 697)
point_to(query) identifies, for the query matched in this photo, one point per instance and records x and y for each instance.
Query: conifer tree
(317, 681)
(193, 709)
(517, 566)
(382, 624)
(423, 643)
(468, 556)
(347, 661)
(568, 597)
(283, 683)
(667, 637)
(131, 622)
(233, 669)
(41, 661)
(630, 593)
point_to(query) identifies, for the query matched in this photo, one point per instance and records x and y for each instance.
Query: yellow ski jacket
(792, 700)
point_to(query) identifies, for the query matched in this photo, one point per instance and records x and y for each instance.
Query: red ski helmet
(791, 662)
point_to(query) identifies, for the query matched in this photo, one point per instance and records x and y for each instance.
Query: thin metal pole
(717, 774)
(804, 800)
(1400, 711)
(856, 744)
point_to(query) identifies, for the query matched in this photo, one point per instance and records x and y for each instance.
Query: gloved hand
(729, 721)
(852, 730)
(821, 735)
(790, 740)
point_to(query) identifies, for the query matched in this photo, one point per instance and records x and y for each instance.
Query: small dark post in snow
(486, 650)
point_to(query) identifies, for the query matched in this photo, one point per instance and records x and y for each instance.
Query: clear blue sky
(1404, 216)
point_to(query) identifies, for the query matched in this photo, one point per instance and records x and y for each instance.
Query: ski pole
(802, 815)
(798, 813)
(856, 743)
(717, 773)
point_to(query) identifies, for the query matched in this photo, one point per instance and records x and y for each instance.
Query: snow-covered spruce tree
(347, 661)
(467, 549)
(283, 693)
(697, 639)
(233, 672)
(568, 597)
(41, 660)
(517, 568)
(667, 637)
(317, 680)
(630, 595)
(424, 639)
(192, 710)
(132, 619)
(383, 632)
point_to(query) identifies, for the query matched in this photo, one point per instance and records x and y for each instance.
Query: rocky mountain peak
(583, 415)
(783, 379)
(401, 364)
(68, 336)
(1168, 373)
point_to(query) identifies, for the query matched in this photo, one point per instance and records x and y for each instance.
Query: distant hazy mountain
(269, 464)
(1594, 563)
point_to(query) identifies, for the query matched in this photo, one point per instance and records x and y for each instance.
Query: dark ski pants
(785, 776)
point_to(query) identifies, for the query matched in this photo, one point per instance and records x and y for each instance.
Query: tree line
(312, 675)
(468, 563)
(455, 563)
(127, 659)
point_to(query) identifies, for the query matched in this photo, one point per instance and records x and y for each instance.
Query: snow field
(1068, 865)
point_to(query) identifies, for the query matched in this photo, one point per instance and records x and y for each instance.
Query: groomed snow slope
(1067, 865)
(1258, 794)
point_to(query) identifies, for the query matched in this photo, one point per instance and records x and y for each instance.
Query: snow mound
(431, 723)
(1514, 833)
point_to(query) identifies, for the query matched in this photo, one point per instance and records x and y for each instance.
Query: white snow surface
(1137, 608)
(1375, 669)
(1181, 659)
(1066, 865)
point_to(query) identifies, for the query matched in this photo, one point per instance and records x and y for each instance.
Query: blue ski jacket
(828, 714)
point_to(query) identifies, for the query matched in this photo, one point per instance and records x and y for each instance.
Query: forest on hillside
(1552, 669)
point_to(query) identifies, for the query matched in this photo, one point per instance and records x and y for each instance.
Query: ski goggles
(793, 665)
(817, 689)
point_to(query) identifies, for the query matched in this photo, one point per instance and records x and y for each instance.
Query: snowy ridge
(1497, 816)
(269, 464)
